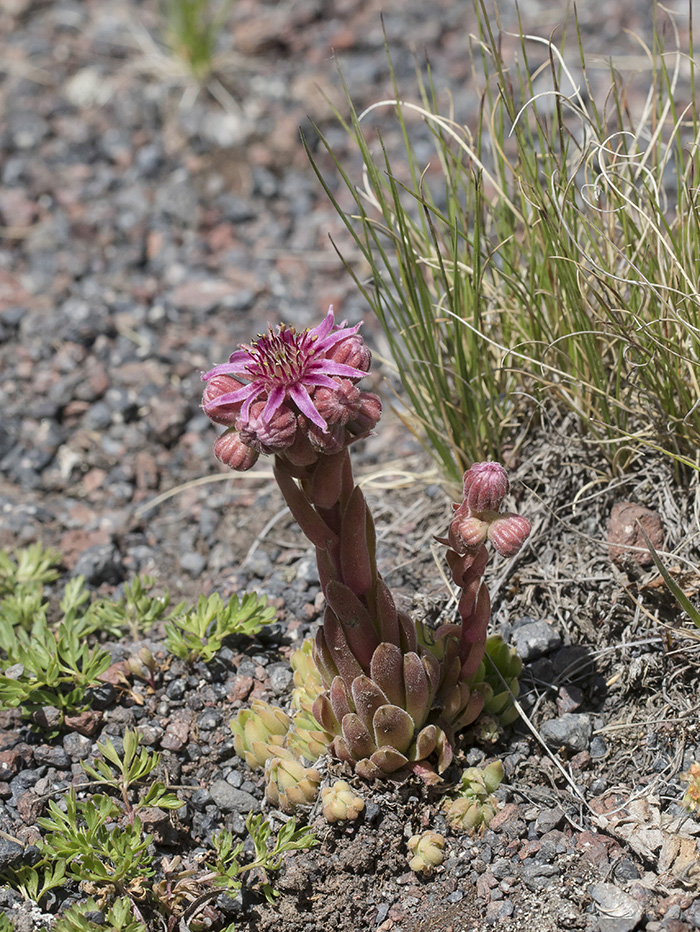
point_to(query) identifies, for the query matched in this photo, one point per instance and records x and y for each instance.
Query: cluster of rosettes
(293, 394)
(478, 518)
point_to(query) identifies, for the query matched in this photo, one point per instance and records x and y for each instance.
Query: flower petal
(324, 328)
(334, 368)
(241, 394)
(302, 399)
(274, 400)
(224, 369)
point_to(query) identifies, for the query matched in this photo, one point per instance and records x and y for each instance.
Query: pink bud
(268, 434)
(485, 487)
(351, 352)
(467, 533)
(217, 386)
(230, 449)
(368, 415)
(339, 405)
(508, 533)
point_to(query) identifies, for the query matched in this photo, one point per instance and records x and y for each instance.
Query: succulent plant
(426, 852)
(340, 802)
(385, 692)
(474, 806)
(307, 679)
(290, 784)
(306, 739)
(259, 733)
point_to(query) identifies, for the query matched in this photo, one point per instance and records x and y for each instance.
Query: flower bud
(217, 386)
(508, 533)
(232, 452)
(368, 415)
(352, 351)
(339, 405)
(467, 533)
(485, 487)
(268, 434)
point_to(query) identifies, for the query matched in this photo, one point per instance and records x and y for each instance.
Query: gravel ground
(149, 226)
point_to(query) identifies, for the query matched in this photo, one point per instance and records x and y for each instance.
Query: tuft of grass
(192, 29)
(543, 259)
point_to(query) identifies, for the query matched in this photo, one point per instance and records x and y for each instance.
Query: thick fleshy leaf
(472, 710)
(358, 739)
(324, 715)
(342, 751)
(425, 743)
(386, 614)
(417, 689)
(386, 669)
(367, 697)
(341, 702)
(473, 642)
(323, 658)
(357, 565)
(453, 701)
(367, 770)
(326, 481)
(337, 643)
(433, 671)
(409, 638)
(356, 621)
(324, 564)
(426, 772)
(304, 514)
(393, 727)
(445, 751)
(451, 673)
(388, 759)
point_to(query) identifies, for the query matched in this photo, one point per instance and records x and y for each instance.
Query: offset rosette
(259, 733)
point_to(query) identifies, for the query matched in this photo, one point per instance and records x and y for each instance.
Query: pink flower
(285, 367)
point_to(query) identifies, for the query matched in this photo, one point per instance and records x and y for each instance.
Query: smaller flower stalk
(388, 694)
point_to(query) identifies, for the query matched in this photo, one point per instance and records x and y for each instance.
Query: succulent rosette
(388, 693)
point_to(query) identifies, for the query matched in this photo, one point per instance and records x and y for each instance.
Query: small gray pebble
(281, 678)
(571, 731)
(230, 799)
(535, 639)
(176, 689)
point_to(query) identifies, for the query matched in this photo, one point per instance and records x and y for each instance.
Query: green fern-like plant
(91, 917)
(199, 633)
